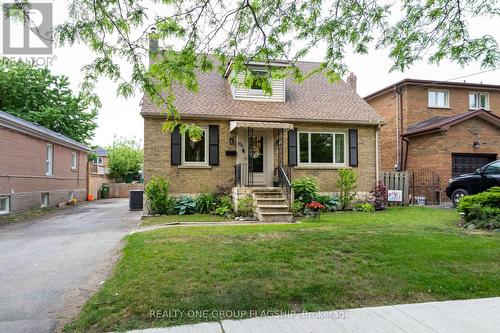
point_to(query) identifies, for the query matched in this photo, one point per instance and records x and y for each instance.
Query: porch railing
(241, 177)
(284, 179)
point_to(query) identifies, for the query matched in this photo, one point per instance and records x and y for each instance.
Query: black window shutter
(292, 147)
(175, 147)
(213, 145)
(353, 147)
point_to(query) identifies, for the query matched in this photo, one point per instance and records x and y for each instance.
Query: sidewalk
(479, 315)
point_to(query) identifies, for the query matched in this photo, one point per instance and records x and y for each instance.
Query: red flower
(314, 205)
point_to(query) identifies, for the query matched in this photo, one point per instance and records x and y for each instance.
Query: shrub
(224, 206)
(346, 184)
(244, 207)
(315, 206)
(185, 205)
(205, 202)
(297, 207)
(365, 207)
(158, 198)
(332, 203)
(482, 210)
(223, 190)
(306, 189)
(379, 194)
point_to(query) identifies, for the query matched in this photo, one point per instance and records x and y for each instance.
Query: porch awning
(257, 124)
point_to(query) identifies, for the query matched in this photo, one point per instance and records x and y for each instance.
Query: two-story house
(254, 141)
(38, 167)
(448, 128)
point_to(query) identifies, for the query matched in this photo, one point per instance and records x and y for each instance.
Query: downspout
(399, 128)
(377, 152)
(406, 153)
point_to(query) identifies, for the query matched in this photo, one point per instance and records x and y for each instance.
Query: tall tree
(36, 95)
(125, 157)
(191, 30)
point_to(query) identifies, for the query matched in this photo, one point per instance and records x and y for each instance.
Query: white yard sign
(394, 195)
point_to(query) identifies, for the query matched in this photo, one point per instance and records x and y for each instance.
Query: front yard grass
(343, 260)
(153, 220)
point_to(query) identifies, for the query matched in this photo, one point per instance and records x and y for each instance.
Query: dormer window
(258, 79)
(254, 92)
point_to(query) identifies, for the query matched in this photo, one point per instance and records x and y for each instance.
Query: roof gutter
(305, 120)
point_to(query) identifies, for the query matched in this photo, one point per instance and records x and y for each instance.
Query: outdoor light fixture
(476, 144)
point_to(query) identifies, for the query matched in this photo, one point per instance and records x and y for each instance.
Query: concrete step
(262, 195)
(272, 209)
(276, 217)
(270, 201)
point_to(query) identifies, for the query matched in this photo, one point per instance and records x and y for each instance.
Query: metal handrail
(285, 184)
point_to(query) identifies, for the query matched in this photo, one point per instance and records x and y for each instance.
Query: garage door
(467, 163)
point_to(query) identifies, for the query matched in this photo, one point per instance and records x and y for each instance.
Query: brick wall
(194, 180)
(415, 109)
(434, 151)
(22, 171)
(186, 180)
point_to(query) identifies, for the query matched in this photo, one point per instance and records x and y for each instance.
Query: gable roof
(435, 124)
(314, 100)
(443, 84)
(20, 125)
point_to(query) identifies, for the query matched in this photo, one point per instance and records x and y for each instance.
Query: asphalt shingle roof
(37, 129)
(313, 100)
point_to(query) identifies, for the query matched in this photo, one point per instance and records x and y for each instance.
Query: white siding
(246, 94)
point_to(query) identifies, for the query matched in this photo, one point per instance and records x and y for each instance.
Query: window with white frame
(4, 205)
(73, 160)
(49, 167)
(195, 152)
(100, 160)
(45, 200)
(479, 101)
(322, 148)
(438, 99)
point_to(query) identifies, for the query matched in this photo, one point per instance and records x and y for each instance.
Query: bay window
(321, 148)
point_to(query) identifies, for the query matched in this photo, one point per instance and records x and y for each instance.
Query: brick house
(447, 128)
(38, 167)
(254, 142)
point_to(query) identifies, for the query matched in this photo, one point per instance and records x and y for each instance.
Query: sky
(121, 117)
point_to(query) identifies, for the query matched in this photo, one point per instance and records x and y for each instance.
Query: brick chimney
(351, 80)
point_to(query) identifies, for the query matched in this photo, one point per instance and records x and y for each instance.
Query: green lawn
(344, 260)
(182, 218)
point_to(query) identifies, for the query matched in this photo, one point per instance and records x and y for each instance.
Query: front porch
(260, 170)
(260, 153)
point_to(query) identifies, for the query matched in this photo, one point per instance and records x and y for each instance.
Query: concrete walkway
(51, 265)
(479, 315)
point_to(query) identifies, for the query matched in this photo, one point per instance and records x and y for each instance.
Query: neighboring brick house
(443, 127)
(38, 167)
(304, 129)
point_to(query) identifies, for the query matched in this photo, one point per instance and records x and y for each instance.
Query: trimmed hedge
(482, 210)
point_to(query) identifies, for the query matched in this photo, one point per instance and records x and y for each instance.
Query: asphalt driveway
(50, 266)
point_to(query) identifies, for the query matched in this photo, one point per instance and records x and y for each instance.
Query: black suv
(472, 183)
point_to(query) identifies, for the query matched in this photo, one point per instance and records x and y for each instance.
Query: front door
(257, 158)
